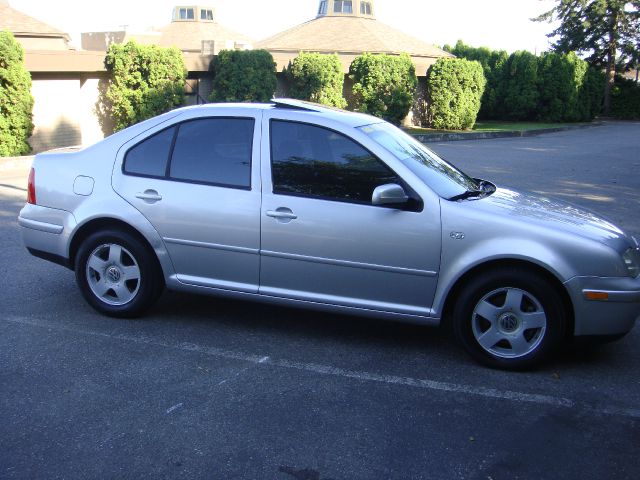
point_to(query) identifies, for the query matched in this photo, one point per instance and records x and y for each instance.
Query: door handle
(149, 196)
(282, 213)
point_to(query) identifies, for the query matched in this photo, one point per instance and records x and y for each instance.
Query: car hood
(554, 214)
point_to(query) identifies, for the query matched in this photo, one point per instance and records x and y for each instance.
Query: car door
(198, 182)
(322, 239)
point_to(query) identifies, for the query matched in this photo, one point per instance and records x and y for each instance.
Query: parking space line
(491, 393)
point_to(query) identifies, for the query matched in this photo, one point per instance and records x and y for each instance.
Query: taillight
(31, 187)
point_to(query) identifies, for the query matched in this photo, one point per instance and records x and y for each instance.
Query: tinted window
(150, 157)
(214, 150)
(314, 161)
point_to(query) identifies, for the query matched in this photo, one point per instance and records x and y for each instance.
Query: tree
(317, 78)
(16, 102)
(602, 29)
(146, 80)
(243, 76)
(384, 85)
(454, 90)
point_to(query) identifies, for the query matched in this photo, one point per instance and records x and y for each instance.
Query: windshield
(445, 179)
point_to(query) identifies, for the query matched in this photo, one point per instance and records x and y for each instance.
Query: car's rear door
(198, 182)
(323, 240)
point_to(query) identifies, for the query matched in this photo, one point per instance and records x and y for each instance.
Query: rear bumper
(46, 232)
(615, 315)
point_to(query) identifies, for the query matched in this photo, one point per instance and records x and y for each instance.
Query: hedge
(146, 80)
(317, 78)
(454, 90)
(16, 102)
(243, 76)
(384, 85)
(625, 99)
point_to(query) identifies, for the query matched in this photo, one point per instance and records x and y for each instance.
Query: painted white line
(174, 408)
(427, 384)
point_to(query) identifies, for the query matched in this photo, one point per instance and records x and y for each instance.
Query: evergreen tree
(603, 29)
(16, 102)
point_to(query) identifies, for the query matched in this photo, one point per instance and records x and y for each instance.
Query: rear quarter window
(149, 158)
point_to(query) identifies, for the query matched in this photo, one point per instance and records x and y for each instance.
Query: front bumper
(615, 313)
(46, 231)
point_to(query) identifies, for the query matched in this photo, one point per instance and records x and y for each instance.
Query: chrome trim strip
(213, 246)
(345, 263)
(40, 226)
(614, 296)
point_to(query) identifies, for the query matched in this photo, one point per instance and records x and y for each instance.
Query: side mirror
(389, 194)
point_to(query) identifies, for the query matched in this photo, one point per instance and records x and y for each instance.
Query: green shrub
(454, 90)
(384, 85)
(592, 94)
(493, 64)
(243, 76)
(317, 78)
(520, 87)
(16, 102)
(146, 80)
(625, 99)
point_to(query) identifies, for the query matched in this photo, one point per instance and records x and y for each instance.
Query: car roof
(351, 119)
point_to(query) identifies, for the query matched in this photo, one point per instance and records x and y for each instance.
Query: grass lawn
(494, 126)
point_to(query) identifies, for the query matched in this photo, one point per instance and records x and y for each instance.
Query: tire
(117, 274)
(509, 318)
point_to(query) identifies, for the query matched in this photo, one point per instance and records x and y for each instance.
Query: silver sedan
(298, 204)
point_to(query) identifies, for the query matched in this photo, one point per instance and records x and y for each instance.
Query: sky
(498, 24)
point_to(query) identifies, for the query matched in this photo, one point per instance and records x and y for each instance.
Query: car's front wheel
(117, 274)
(509, 318)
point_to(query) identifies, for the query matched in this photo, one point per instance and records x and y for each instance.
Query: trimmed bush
(493, 64)
(243, 76)
(454, 90)
(384, 85)
(16, 102)
(521, 87)
(317, 78)
(625, 99)
(146, 80)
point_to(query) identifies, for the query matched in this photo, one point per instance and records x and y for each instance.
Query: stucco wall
(65, 111)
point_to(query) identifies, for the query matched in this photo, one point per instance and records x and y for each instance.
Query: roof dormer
(193, 13)
(351, 8)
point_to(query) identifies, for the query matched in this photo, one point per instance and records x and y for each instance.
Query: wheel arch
(107, 223)
(478, 270)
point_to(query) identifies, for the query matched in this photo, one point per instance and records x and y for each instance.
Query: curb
(452, 137)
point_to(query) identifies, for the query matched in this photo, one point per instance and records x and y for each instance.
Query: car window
(313, 161)
(215, 151)
(149, 157)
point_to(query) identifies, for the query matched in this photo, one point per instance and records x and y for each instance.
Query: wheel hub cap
(508, 322)
(114, 274)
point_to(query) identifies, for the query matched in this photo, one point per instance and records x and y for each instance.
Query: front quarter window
(442, 177)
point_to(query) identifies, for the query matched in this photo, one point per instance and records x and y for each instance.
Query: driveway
(206, 388)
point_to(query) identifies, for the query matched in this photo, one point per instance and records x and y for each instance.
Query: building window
(365, 8)
(323, 8)
(343, 6)
(187, 14)
(206, 14)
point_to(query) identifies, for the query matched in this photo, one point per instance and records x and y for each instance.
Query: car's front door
(194, 181)
(322, 239)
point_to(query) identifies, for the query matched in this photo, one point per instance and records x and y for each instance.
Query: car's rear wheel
(117, 273)
(509, 318)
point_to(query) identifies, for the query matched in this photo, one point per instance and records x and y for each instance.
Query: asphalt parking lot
(208, 388)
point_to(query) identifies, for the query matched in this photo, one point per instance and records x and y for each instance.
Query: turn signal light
(31, 187)
(596, 295)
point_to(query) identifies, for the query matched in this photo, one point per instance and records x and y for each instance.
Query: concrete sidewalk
(15, 164)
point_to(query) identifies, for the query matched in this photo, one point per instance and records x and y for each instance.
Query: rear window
(149, 158)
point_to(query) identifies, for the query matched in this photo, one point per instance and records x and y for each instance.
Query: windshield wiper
(468, 194)
(486, 188)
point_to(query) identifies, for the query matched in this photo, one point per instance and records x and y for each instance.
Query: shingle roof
(188, 36)
(349, 34)
(19, 23)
